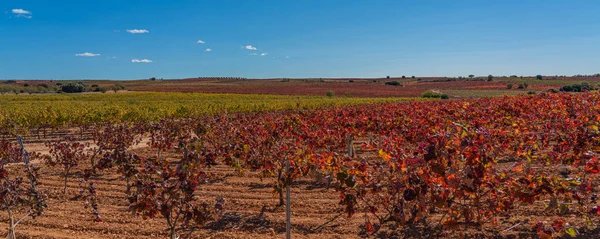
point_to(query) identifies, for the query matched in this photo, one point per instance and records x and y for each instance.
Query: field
(347, 87)
(456, 88)
(197, 165)
(25, 114)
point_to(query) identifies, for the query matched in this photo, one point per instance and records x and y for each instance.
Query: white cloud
(287, 57)
(138, 31)
(264, 54)
(22, 13)
(249, 47)
(87, 54)
(141, 61)
(208, 49)
(200, 42)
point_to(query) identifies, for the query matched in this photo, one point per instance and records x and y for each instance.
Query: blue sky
(40, 39)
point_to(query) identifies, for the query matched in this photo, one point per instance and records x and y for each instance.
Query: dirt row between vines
(245, 197)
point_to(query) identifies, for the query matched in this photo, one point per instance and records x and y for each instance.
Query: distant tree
(5, 89)
(153, 78)
(412, 77)
(403, 77)
(394, 83)
(597, 75)
(513, 76)
(490, 77)
(471, 76)
(73, 88)
(387, 77)
(577, 87)
(539, 77)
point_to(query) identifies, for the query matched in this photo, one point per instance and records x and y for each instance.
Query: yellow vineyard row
(76, 110)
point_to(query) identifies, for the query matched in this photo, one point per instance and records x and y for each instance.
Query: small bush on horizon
(330, 93)
(577, 87)
(432, 94)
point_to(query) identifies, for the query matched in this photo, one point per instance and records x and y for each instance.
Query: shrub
(525, 85)
(521, 86)
(444, 97)
(577, 87)
(350, 81)
(26, 85)
(539, 77)
(490, 77)
(531, 92)
(330, 93)
(509, 86)
(552, 91)
(432, 94)
(72, 88)
(43, 85)
(94, 85)
(394, 83)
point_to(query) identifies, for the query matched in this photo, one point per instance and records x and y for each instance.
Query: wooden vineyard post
(349, 142)
(287, 203)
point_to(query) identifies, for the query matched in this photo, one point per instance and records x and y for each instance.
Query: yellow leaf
(571, 232)
(384, 155)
